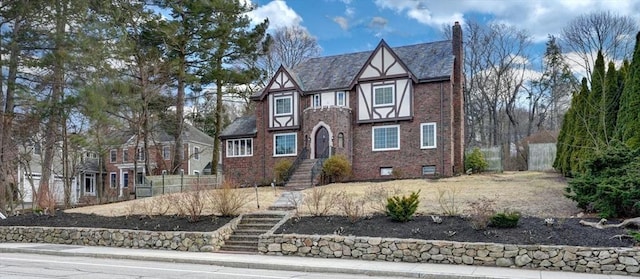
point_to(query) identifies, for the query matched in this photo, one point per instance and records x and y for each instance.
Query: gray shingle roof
(240, 127)
(425, 61)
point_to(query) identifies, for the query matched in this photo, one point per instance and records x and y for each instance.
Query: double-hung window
(196, 153)
(239, 147)
(427, 135)
(316, 101)
(385, 138)
(284, 105)
(284, 144)
(341, 99)
(113, 155)
(166, 152)
(113, 180)
(383, 95)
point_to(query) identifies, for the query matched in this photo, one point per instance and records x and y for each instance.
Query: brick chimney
(458, 99)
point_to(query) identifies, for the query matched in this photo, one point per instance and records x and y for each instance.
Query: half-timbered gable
(389, 110)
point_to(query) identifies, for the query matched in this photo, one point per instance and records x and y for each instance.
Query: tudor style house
(391, 110)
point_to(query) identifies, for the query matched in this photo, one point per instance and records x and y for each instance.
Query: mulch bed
(530, 230)
(133, 222)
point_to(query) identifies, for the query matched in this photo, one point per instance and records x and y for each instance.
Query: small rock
(523, 260)
(504, 262)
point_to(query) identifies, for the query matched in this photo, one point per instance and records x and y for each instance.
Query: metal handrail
(301, 157)
(317, 166)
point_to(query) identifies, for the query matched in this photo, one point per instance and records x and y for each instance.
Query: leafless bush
(193, 203)
(131, 208)
(377, 195)
(228, 199)
(161, 205)
(319, 201)
(146, 206)
(175, 201)
(480, 212)
(447, 200)
(351, 206)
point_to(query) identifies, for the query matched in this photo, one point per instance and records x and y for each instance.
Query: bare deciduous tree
(290, 46)
(610, 33)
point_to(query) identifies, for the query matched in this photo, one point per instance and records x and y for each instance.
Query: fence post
(181, 180)
(163, 173)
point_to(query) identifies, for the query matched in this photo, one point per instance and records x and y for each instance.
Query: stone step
(253, 238)
(260, 221)
(246, 243)
(249, 232)
(240, 248)
(264, 227)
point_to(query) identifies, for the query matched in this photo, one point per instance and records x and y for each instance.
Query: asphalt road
(15, 265)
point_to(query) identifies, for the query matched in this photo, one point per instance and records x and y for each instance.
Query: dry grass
(531, 193)
(157, 205)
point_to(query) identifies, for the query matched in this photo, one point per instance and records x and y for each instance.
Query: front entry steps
(301, 178)
(245, 238)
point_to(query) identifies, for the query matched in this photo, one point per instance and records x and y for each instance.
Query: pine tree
(595, 110)
(579, 135)
(611, 101)
(628, 115)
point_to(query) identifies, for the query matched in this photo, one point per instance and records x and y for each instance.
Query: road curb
(250, 265)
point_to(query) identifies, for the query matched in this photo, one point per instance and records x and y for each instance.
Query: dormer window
(283, 105)
(383, 95)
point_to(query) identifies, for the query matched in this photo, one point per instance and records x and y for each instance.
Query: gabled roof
(426, 61)
(189, 134)
(240, 127)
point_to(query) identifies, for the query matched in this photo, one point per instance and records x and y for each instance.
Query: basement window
(428, 170)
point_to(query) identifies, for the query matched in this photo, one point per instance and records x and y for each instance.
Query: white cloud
(540, 17)
(278, 13)
(342, 21)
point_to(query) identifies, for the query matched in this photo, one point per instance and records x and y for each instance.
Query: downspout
(441, 128)
(264, 144)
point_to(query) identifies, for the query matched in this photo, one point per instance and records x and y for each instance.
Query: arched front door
(322, 143)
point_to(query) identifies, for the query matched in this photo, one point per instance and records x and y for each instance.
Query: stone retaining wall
(180, 241)
(623, 261)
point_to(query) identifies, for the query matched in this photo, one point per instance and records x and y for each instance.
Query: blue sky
(343, 26)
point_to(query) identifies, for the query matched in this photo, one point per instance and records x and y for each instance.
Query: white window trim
(393, 96)
(317, 104)
(386, 171)
(247, 154)
(275, 106)
(196, 153)
(344, 99)
(295, 145)
(111, 157)
(125, 158)
(373, 139)
(140, 154)
(92, 188)
(168, 153)
(110, 180)
(435, 136)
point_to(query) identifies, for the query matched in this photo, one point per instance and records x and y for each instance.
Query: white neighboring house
(29, 173)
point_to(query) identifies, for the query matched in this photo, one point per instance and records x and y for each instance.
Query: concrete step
(246, 243)
(253, 238)
(248, 232)
(251, 220)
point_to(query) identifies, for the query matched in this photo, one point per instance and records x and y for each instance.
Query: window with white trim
(239, 147)
(166, 152)
(284, 105)
(386, 171)
(196, 153)
(113, 180)
(284, 144)
(90, 184)
(113, 155)
(140, 154)
(316, 101)
(341, 99)
(383, 95)
(385, 138)
(125, 155)
(427, 135)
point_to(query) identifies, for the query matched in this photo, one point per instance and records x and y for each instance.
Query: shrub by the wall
(505, 219)
(336, 168)
(475, 161)
(281, 170)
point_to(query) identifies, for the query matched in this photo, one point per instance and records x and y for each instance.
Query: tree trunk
(179, 146)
